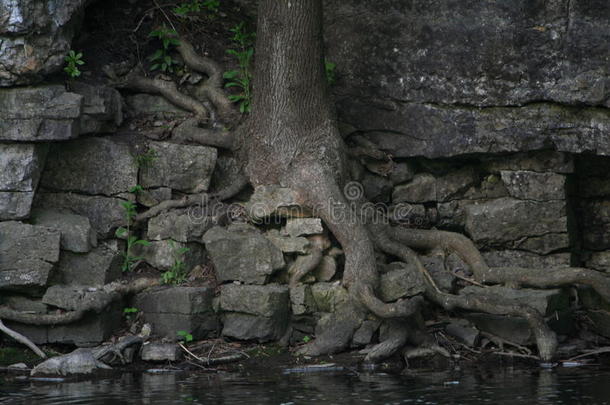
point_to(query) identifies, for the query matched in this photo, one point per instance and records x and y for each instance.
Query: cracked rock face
(472, 76)
(35, 36)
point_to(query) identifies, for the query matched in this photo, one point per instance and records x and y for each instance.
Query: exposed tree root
(22, 339)
(190, 200)
(114, 290)
(190, 132)
(210, 89)
(304, 265)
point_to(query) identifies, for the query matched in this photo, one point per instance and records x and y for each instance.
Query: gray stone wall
(496, 115)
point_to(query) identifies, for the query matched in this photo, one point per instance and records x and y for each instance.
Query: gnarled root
(115, 290)
(203, 199)
(190, 131)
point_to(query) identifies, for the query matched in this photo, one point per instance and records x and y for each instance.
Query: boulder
(76, 166)
(245, 256)
(39, 114)
(26, 254)
(100, 266)
(35, 38)
(76, 232)
(80, 361)
(185, 168)
(400, 282)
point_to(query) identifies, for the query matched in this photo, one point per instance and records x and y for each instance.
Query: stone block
(102, 108)
(100, 266)
(181, 225)
(161, 352)
(15, 205)
(26, 254)
(252, 327)
(271, 300)
(328, 296)
(96, 166)
(546, 302)
(273, 200)
(288, 244)
(303, 226)
(21, 165)
(402, 281)
(105, 213)
(39, 114)
(520, 258)
(148, 104)
(301, 300)
(163, 254)
(245, 256)
(527, 185)
(185, 168)
(92, 330)
(76, 232)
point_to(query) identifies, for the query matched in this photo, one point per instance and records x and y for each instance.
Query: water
(499, 385)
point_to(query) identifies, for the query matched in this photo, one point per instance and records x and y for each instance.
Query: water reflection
(471, 386)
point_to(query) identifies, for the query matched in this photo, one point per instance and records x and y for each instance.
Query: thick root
(398, 335)
(22, 339)
(115, 291)
(190, 131)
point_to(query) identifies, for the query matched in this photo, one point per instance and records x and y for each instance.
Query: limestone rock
(20, 166)
(301, 300)
(263, 300)
(15, 205)
(72, 298)
(92, 330)
(80, 361)
(599, 261)
(328, 296)
(519, 258)
(254, 312)
(99, 166)
(100, 266)
(26, 254)
(161, 352)
(35, 38)
(246, 256)
(426, 188)
(544, 301)
(172, 309)
(288, 244)
(303, 226)
(364, 334)
(540, 227)
(105, 213)
(162, 255)
(181, 225)
(526, 185)
(402, 281)
(186, 168)
(102, 108)
(77, 235)
(34, 114)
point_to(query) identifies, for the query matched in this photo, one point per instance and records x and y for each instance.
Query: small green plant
(73, 61)
(145, 159)
(178, 272)
(329, 69)
(306, 339)
(195, 6)
(129, 311)
(162, 59)
(184, 335)
(129, 260)
(241, 78)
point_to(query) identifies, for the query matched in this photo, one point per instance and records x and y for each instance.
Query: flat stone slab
(303, 226)
(181, 225)
(162, 255)
(176, 300)
(15, 205)
(544, 301)
(251, 327)
(20, 165)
